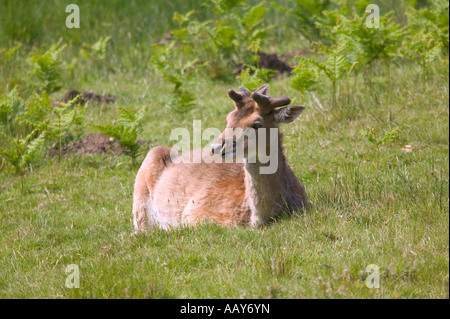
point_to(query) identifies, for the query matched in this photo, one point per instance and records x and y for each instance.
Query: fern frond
(33, 149)
(305, 75)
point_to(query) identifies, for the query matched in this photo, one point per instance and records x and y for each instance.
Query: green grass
(394, 214)
(79, 212)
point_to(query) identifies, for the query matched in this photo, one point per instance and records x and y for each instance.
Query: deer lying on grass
(168, 194)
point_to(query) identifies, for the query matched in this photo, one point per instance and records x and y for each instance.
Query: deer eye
(256, 126)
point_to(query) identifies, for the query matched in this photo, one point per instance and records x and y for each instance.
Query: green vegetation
(225, 38)
(371, 148)
(126, 130)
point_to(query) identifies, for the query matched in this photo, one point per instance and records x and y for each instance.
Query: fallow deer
(169, 194)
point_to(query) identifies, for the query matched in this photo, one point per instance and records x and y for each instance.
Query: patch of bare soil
(88, 96)
(91, 144)
(272, 61)
(269, 61)
(95, 144)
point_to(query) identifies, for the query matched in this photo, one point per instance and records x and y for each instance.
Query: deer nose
(216, 148)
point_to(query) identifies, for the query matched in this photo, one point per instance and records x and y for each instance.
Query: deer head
(254, 115)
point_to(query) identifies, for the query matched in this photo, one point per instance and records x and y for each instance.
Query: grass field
(386, 205)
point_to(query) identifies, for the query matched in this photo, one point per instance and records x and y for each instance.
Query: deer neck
(263, 191)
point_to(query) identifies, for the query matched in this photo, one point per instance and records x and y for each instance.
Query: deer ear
(264, 89)
(288, 114)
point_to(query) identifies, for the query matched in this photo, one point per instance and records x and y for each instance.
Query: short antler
(260, 96)
(238, 96)
(267, 102)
